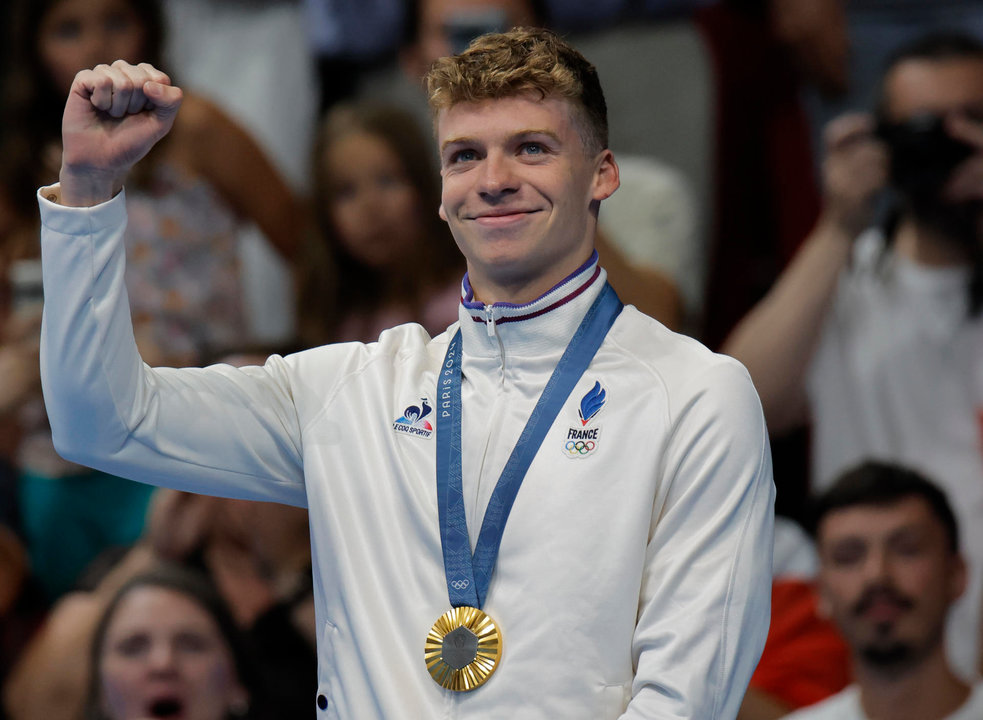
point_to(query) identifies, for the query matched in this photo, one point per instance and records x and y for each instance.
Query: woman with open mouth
(167, 647)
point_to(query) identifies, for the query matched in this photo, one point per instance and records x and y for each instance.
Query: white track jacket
(634, 575)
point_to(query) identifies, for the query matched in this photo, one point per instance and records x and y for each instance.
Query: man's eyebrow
(845, 540)
(456, 141)
(537, 131)
(907, 530)
(512, 137)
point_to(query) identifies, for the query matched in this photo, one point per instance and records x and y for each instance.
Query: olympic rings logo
(460, 584)
(580, 447)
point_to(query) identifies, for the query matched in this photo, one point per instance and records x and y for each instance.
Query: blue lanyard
(468, 577)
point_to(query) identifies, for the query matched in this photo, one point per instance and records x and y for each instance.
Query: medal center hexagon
(459, 648)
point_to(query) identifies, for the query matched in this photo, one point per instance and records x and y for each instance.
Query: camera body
(922, 153)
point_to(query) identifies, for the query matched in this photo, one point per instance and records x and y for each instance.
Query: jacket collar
(539, 328)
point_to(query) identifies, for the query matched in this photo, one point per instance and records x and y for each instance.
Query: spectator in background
(381, 255)
(57, 38)
(890, 569)
(166, 646)
(182, 277)
(872, 31)
(874, 332)
(256, 557)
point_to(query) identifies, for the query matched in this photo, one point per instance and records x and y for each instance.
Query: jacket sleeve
(219, 430)
(706, 592)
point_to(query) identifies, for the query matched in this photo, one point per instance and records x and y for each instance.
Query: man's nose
(497, 177)
(877, 565)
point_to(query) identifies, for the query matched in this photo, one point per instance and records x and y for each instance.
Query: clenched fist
(113, 116)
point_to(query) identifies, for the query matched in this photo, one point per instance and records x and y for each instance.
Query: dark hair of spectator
(881, 484)
(33, 105)
(934, 47)
(196, 587)
(941, 46)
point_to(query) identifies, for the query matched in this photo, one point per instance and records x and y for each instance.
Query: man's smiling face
(520, 192)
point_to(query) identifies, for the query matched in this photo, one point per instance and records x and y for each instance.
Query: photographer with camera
(874, 332)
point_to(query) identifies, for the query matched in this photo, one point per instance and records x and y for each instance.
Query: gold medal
(463, 649)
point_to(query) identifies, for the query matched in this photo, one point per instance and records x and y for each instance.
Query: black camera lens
(922, 153)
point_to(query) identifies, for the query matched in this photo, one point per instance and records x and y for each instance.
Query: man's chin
(890, 657)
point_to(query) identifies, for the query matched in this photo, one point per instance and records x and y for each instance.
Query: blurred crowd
(801, 188)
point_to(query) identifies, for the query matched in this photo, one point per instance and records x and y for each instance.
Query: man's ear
(607, 177)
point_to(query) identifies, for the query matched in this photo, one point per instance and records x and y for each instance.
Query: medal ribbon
(468, 577)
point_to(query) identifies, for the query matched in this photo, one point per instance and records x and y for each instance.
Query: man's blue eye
(533, 148)
(464, 156)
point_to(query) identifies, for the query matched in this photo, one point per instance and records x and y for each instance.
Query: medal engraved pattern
(449, 645)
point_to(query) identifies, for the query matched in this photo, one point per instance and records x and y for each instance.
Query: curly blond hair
(522, 60)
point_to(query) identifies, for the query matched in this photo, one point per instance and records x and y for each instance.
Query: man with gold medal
(556, 509)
